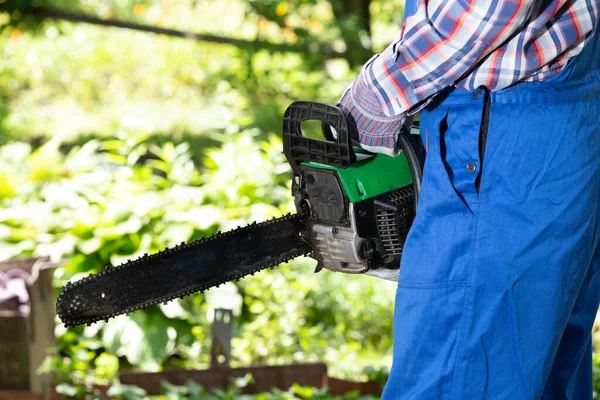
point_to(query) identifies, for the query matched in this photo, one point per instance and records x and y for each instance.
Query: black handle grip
(336, 152)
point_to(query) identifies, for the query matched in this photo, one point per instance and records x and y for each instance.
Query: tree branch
(314, 48)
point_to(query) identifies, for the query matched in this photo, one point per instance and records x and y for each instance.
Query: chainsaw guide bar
(182, 270)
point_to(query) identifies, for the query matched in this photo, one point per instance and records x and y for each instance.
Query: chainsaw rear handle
(332, 151)
(338, 151)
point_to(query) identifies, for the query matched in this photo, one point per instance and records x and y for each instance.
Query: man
(498, 286)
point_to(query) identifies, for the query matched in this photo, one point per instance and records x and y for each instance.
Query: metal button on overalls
(471, 167)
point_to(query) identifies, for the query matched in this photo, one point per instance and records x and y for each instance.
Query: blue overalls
(498, 285)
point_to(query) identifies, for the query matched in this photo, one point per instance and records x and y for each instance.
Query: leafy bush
(109, 184)
(71, 80)
(193, 391)
(114, 199)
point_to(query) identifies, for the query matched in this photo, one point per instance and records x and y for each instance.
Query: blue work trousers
(499, 285)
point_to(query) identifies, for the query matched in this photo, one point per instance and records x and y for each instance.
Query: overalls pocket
(432, 311)
(441, 170)
(463, 138)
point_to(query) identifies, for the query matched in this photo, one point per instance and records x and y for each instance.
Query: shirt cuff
(368, 124)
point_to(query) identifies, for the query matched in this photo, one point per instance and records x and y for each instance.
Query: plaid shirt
(466, 44)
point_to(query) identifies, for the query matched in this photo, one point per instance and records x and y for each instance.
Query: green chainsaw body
(371, 176)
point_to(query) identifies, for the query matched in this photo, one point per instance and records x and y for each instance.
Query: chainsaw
(354, 210)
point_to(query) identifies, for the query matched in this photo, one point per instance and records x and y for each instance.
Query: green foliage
(115, 199)
(118, 143)
(126, 392)
(193, 391)
(64, 79)
(343, 26)
(70, 80)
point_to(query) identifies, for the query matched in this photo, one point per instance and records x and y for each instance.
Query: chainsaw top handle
(333, 151)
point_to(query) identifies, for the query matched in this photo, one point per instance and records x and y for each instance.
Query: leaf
(126, 392)
(107, 366)
(143, 338)
(175, 234)
(132, 225)
(173, 309)
(173, 392)
(89, 246)
(67, 390)
(9, 250)
(136, 349)
(45, 162)
(202, 217)
(113, 330)
(225, 296)
(8, 186)
(243, 381)
(195, 389)
(58, 249)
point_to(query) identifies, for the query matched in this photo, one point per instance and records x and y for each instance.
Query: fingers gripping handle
(333, 151)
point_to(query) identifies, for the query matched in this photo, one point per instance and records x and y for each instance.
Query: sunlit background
(117, 142)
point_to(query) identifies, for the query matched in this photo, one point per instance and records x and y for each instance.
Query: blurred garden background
(117, 142)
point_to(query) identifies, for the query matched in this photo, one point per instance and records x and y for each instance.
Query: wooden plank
(41, 301)
(340, 387)
(20, 395)
(14, 351)
(265, 377)
(24, 338)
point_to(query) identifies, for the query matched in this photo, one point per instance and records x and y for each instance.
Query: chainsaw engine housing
(355, 236)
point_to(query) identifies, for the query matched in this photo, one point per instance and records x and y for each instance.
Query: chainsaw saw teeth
(354, 213)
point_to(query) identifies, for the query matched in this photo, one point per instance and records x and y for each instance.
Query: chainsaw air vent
(394, 218)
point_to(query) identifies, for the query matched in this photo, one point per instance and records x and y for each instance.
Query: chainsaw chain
(271, 262)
